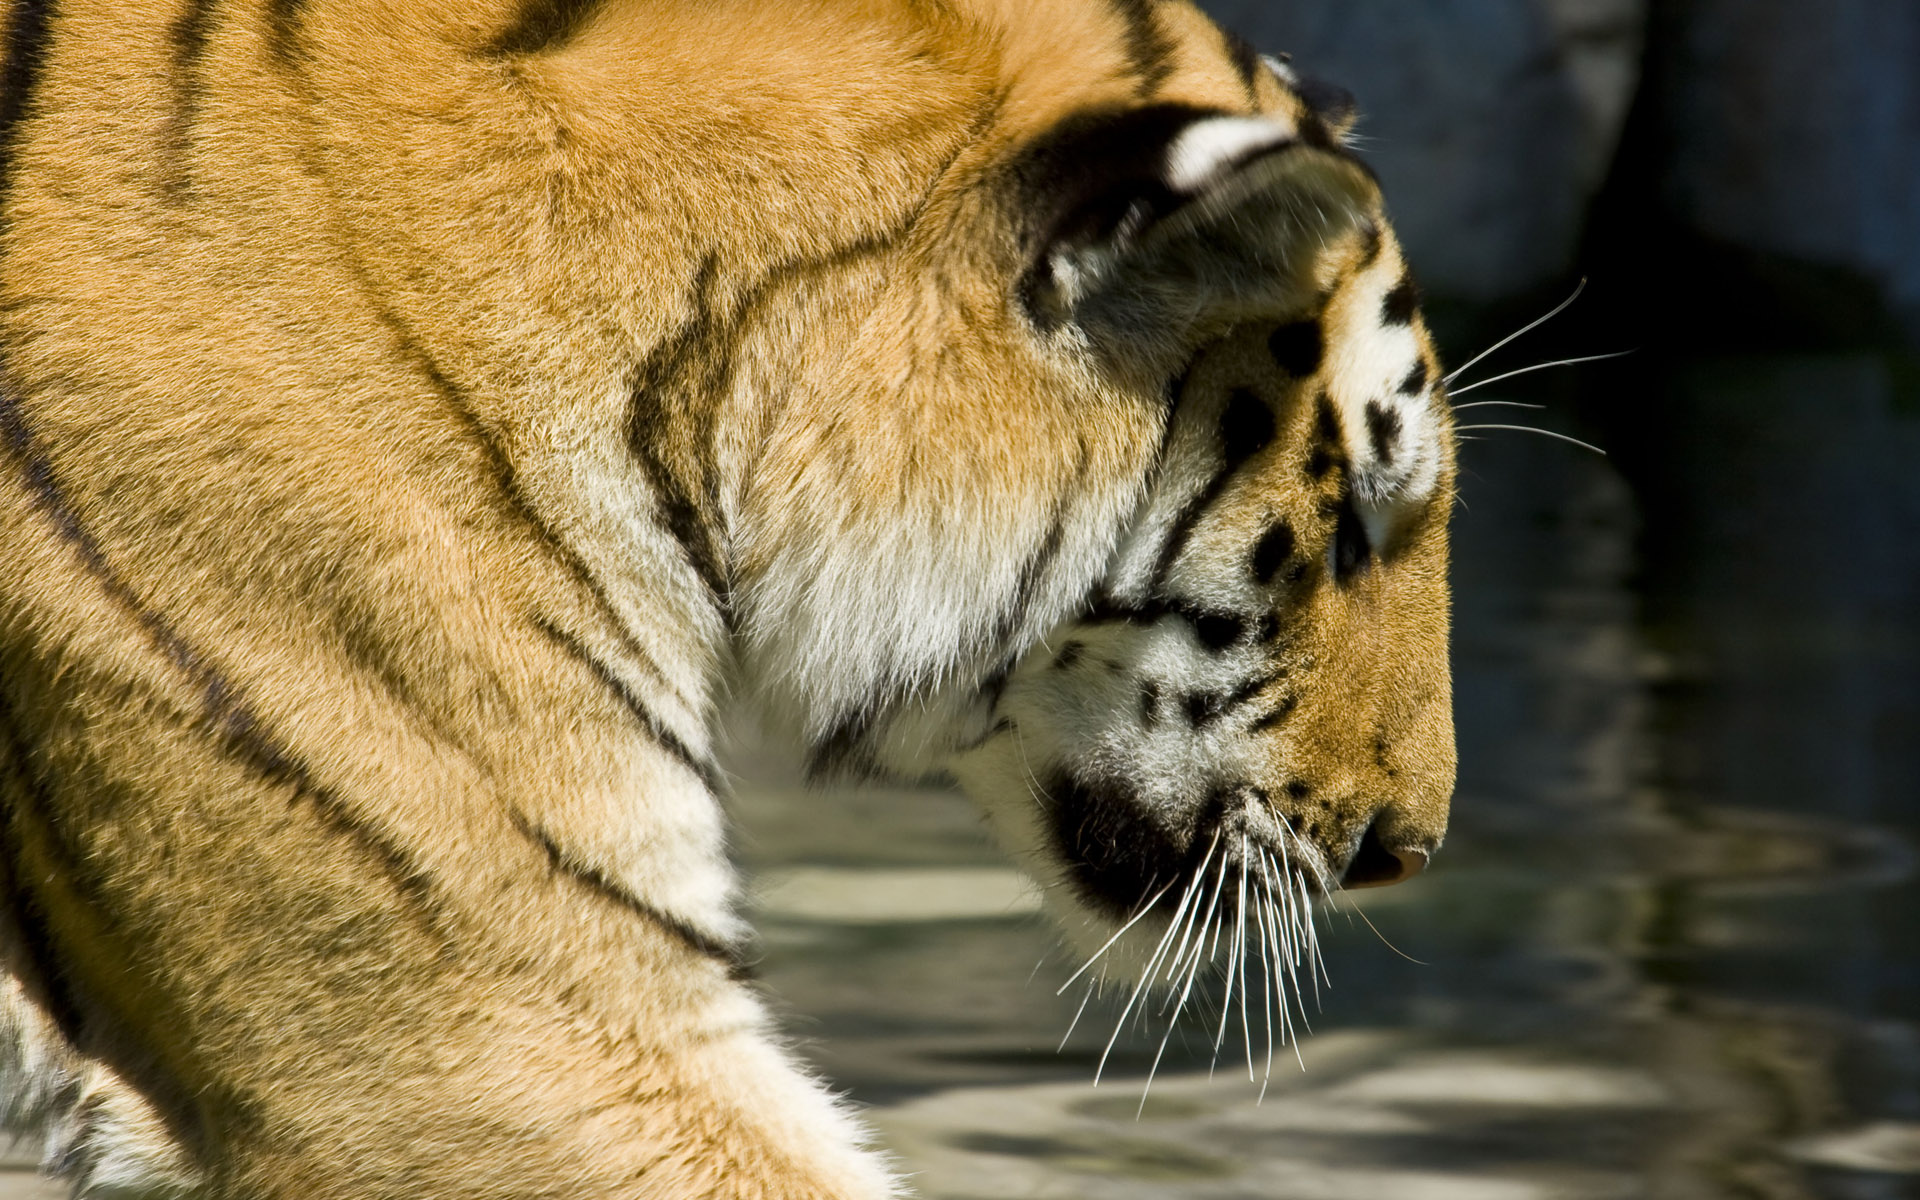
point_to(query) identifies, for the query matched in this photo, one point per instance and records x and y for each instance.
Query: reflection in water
(1669, 950)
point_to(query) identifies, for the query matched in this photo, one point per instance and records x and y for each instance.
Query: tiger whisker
(1193, 972)
(1233, 952)
(1305, 940)
(1220, 887)
(1186, 963)
(1153, 962)
(1286, 952)
(1313, 946)
(1131, 922)
(1266, 987)
(1501, 403)
(1187, 931)
(1362, 914)
(1558, 362)
(1240, 948)
(1518, 333)
(1548, 433)
(1071, 1025)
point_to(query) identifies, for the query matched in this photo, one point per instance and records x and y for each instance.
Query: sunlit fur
(420, 419)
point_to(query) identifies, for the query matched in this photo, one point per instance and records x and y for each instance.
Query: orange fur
(357, 668)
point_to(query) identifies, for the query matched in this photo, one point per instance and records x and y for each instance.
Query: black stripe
(1297, 347)
(284, 30)
(224, 713)
(188, 36)
(1272, 551)
(49, 983)
(1370, 243)
(1246, 428)
(1328, 447)
(1149, 50)
(841, 751)
(1215, 628)
(696, 362)
(668, 740)
(1383, 430)
(542, 25)
(1416, 380)
(1400, 304)
(500, 469)
(26, 917)
(1183, 527)
(507, 486)
(699, 343)
(1246, 60)
(595, 881)
(1275, 716)
(28, 24)
(1033, 572)
(1204, 708)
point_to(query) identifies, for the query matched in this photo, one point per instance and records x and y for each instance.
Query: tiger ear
(1160, 218)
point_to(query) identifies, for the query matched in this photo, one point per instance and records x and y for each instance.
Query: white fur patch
(1366, 368)
(98, 1132)
(1208, 149)
(1280, 68)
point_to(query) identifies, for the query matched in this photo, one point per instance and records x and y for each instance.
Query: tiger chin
(420, 422)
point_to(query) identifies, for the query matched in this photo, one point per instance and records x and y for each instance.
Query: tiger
(424, 424)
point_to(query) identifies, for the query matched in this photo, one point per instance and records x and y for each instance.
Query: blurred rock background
(1758, 155)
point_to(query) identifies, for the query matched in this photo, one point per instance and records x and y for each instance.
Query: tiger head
(1182, 477)
(1258, 684)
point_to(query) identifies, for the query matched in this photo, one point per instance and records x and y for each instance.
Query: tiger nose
(1375, 864)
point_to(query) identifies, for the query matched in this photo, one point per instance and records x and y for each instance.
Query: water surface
(1671, 948)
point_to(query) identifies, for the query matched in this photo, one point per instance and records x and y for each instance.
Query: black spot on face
(1352, 552)
(1326, 452)
(1416, 380)
(1297, 348)
(1279, 713)
(1400, 304)
(1272, 551)
(1116, 855)
(1298, 789)
(1383, 430)
(1246, 428)
(1200, 708)
(1069, 655)
(1217, 631)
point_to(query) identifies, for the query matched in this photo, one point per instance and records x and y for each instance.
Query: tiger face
(1226, 646)
(1260, 680)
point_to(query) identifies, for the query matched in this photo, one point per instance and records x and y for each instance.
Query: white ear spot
(1280, 68)
(1208, 149)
